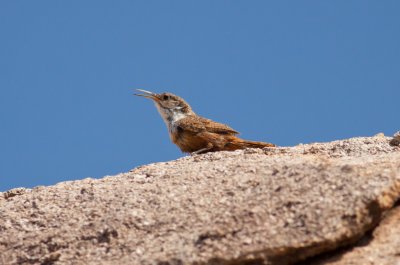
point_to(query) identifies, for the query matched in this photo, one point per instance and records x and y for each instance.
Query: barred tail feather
(252, 144)
(242, 144)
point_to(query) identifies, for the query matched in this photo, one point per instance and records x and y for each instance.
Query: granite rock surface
(321, 203)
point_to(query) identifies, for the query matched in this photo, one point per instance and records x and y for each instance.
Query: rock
(395, 141)
(381, 248)
(270, 206)
(14, 192)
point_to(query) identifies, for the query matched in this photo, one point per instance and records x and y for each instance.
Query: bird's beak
(147, 94)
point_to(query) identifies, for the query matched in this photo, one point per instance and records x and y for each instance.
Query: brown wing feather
(198, 124)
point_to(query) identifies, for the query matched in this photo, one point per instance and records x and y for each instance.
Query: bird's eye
(165, 97)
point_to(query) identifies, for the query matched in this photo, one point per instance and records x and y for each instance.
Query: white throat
(170, 117)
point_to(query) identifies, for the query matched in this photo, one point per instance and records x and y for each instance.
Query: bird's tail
(243, 144)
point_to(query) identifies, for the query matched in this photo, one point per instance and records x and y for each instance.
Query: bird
(195, 134)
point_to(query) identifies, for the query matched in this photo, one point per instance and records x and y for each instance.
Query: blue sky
(287, 72)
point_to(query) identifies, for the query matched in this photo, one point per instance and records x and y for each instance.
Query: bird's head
(169, 105)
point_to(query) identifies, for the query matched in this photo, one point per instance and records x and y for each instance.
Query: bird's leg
(203, 150)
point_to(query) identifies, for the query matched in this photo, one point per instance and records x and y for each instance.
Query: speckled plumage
(193, 133)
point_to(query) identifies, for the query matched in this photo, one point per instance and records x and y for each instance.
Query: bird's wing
(198, 124)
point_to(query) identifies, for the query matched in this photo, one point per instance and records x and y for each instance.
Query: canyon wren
(192, 133)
